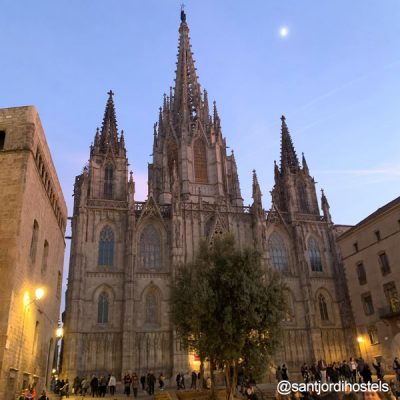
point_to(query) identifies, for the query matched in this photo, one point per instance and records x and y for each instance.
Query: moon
(283, 31)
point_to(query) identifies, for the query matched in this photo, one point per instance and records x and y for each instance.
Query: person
(151, 381)
(112, 383)
(102, 386)
(305, 373)
(127, 384)
(143, 381)
(366, 374)
(94, 386)
(322, 370)
(379, 370)
(353, 369)
(278, 373)
(43, 396)
(135, 383)
(182, 383)
(65, 389)
(161, 380)
(194, 380)
(84, 386)
(285, 375)
(76, 386)
(178, 381)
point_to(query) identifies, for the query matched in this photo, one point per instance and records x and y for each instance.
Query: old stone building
(371, 256)
(124, 253)
(32, 225)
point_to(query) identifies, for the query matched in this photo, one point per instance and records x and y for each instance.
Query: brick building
(32, 225)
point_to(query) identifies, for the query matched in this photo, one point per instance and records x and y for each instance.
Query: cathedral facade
(124, 253)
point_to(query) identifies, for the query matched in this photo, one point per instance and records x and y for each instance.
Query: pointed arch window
(314, 254)
(323, 308)
(303, 198)
(150, 248)
(34, 241)
(152, 308)
(278, 252)
(102, 308)
(200, 161)
(108, 181)
(106, 247)
(45, 256)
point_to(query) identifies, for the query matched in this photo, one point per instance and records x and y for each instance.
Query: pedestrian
(322, 370)
(194, 380)
(135, 383)
(379, 370)
(151, 381)
(76, 386)
(161, 380)
(366, 374)
(143, 381)
(127, 384)
(182, 384)
(285, 375)
(112, 383)
(353, 368)
(84, 386)
(178, 381)
(94, 386)
(102, 386)
(43, 396)
(305, 373)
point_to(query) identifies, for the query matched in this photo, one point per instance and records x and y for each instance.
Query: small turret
(325, 207)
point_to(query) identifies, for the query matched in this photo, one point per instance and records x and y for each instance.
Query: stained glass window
(278, 252)
(102, 308)
(323, 308)
(106, 247)
(108, 182)
(315, 255)
(152, 308)
(150, 248)
(200, 161)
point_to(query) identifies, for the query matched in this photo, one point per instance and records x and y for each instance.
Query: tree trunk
(213, 394)
(229, 380)
(202, 381)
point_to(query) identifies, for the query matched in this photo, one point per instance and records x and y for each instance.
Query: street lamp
(39, 293)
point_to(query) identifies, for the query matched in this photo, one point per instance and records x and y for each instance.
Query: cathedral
(124, 253)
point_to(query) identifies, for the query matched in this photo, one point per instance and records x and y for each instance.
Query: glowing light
(53, 371)
(27, 299)
(360, 339)
(283, 31)
(39, 293)
(59, 332)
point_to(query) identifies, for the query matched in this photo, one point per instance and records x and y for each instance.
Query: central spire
(289, 160)
(187, 95)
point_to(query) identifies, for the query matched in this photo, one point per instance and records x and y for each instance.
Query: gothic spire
(289, 159)
(325, 207)
(256, 188)
(304, 164)
(109, 130)
(187, 94)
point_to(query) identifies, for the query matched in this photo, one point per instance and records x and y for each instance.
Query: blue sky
(336, 77)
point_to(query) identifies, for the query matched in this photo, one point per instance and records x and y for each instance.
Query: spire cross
(283, 118)
(183, 15)
(110, 93)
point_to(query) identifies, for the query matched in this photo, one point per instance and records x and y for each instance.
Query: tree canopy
(227, 307)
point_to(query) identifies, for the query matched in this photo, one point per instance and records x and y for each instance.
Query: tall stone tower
(124, 253)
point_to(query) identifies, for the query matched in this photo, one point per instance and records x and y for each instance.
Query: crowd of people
(99, 386)
(353, 370)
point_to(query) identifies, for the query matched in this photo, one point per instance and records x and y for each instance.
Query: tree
(228, 308)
